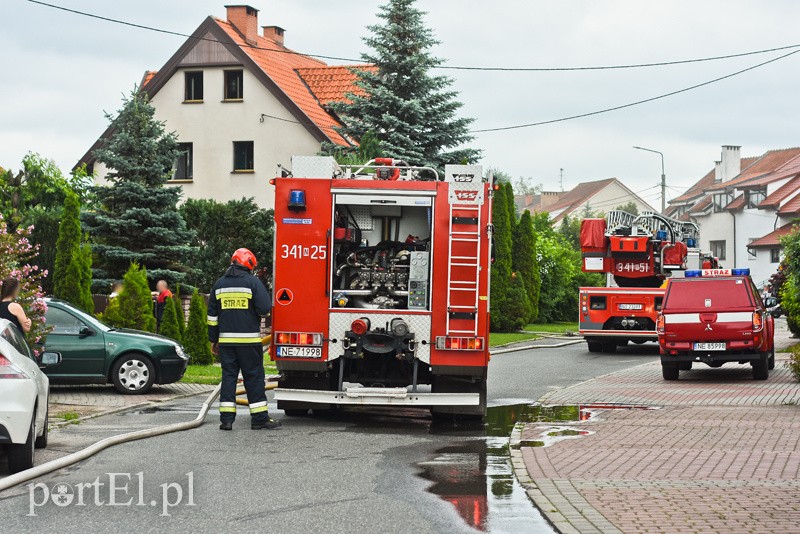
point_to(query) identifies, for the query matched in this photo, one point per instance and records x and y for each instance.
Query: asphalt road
(357, 472)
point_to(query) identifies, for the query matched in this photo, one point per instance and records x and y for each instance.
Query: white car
(24, 398)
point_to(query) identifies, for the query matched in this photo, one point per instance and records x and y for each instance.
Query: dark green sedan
(92, 352)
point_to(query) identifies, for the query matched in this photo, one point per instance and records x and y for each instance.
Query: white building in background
(743, 207)
(241, 103)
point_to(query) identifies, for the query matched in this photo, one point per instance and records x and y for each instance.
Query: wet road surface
(356, 472)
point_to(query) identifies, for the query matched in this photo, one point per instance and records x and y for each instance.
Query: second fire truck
(636, 253)
(381, 286)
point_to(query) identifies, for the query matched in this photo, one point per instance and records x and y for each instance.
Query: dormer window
(755, 197)
(721, 201)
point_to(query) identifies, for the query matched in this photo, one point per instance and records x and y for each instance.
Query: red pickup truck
(715, 316)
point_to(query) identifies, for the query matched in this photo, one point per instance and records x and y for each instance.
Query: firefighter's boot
(269, 424)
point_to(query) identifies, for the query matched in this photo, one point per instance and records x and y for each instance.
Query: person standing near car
(9, 308)
(236, 304)
(162, 294)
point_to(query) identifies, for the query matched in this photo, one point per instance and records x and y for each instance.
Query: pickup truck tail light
(758, 321)
(9, 370)
(660, 323)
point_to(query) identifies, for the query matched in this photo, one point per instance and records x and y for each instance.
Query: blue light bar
(693, 274)
(740, 272)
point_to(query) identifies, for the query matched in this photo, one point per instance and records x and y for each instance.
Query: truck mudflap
(365, 396)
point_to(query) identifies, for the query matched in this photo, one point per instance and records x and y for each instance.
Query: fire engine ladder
(463, 271)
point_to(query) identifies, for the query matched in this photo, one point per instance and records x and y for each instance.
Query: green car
(92, 352)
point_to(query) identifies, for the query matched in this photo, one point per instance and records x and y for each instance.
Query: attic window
(755, 197)
(193, 86)
(721, 201)
(234, 80)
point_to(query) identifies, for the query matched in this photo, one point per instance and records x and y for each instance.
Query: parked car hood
(142, 333)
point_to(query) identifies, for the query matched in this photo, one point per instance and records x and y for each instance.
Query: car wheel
(771, 361)
(761, 368)
(670, 371)
(595, 346)
(685, 366)
(610, 347)
(133, 374)
(20, 456)
(41, 441)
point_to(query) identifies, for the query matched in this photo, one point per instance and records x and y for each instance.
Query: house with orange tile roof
(586, 197)
(744, 206)
(241, 103)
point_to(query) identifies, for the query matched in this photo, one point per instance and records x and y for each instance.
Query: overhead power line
(638, 102)
(443, 67)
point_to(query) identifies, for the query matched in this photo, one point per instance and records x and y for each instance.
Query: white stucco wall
(213, 126)
(717, 227)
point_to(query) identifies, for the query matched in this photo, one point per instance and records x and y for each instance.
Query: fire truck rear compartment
(382, 252)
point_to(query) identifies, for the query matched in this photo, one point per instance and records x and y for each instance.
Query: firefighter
(235, 306)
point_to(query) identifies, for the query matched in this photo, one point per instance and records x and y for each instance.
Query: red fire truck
(381, 286)
(637, 253)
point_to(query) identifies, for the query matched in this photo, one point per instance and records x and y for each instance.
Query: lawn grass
(212, 374)
(496, 338)
(553, 328)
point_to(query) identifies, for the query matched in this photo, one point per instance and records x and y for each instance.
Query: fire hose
(83, 454)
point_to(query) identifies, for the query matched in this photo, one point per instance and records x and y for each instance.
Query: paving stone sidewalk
(94, 400)
(715, 452)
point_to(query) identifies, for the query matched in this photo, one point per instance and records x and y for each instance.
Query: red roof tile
(696, 190)
(579, 194)
(282, 69)
(773, 238)
(736, 204)
(331, 84)
(701, 205)
(792, 207)
(781, 194)
(760, 168)
(148, 75)
(786, 170)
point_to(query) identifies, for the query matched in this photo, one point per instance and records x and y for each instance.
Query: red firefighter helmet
(245, 258)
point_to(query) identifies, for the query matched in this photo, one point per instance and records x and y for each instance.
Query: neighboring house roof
(737, 203)
(280, 64)
(762, 167)
(273, 64)
(792, 207)
(772, 239)
(696, 190)
(782, 193)
(331, 84)
(701, 206)
(578, 195)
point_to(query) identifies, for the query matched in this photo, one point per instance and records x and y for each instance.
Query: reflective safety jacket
(235, 306)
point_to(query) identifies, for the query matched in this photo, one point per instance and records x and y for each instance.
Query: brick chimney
(731, 163)
(245, 19)
(274, 33)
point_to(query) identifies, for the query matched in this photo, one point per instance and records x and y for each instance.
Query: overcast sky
(61, 71)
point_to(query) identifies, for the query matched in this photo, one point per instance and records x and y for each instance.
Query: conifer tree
(71, 280)
(137, 219)
(169, 323)
(135, 302)
(525, 262)
(196, 339)
(509, 300)
(413, 113)
(179, 315)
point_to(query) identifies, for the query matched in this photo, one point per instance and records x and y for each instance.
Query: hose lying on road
(91, 450)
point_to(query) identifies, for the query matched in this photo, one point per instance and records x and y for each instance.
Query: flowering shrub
(17, 254)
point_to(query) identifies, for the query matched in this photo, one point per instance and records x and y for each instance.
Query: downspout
(734, 237)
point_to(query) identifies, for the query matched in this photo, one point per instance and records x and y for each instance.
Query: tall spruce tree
(137, 219)
(412, 112)
(525, 262)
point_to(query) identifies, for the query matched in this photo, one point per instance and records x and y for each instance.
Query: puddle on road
(476, 476)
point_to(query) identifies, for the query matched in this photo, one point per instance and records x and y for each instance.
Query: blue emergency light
(297, 200)
(691, 243)
(693, 274)
(740, 272)
(717, 272)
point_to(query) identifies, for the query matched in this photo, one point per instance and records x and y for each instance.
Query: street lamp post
(663, 178)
